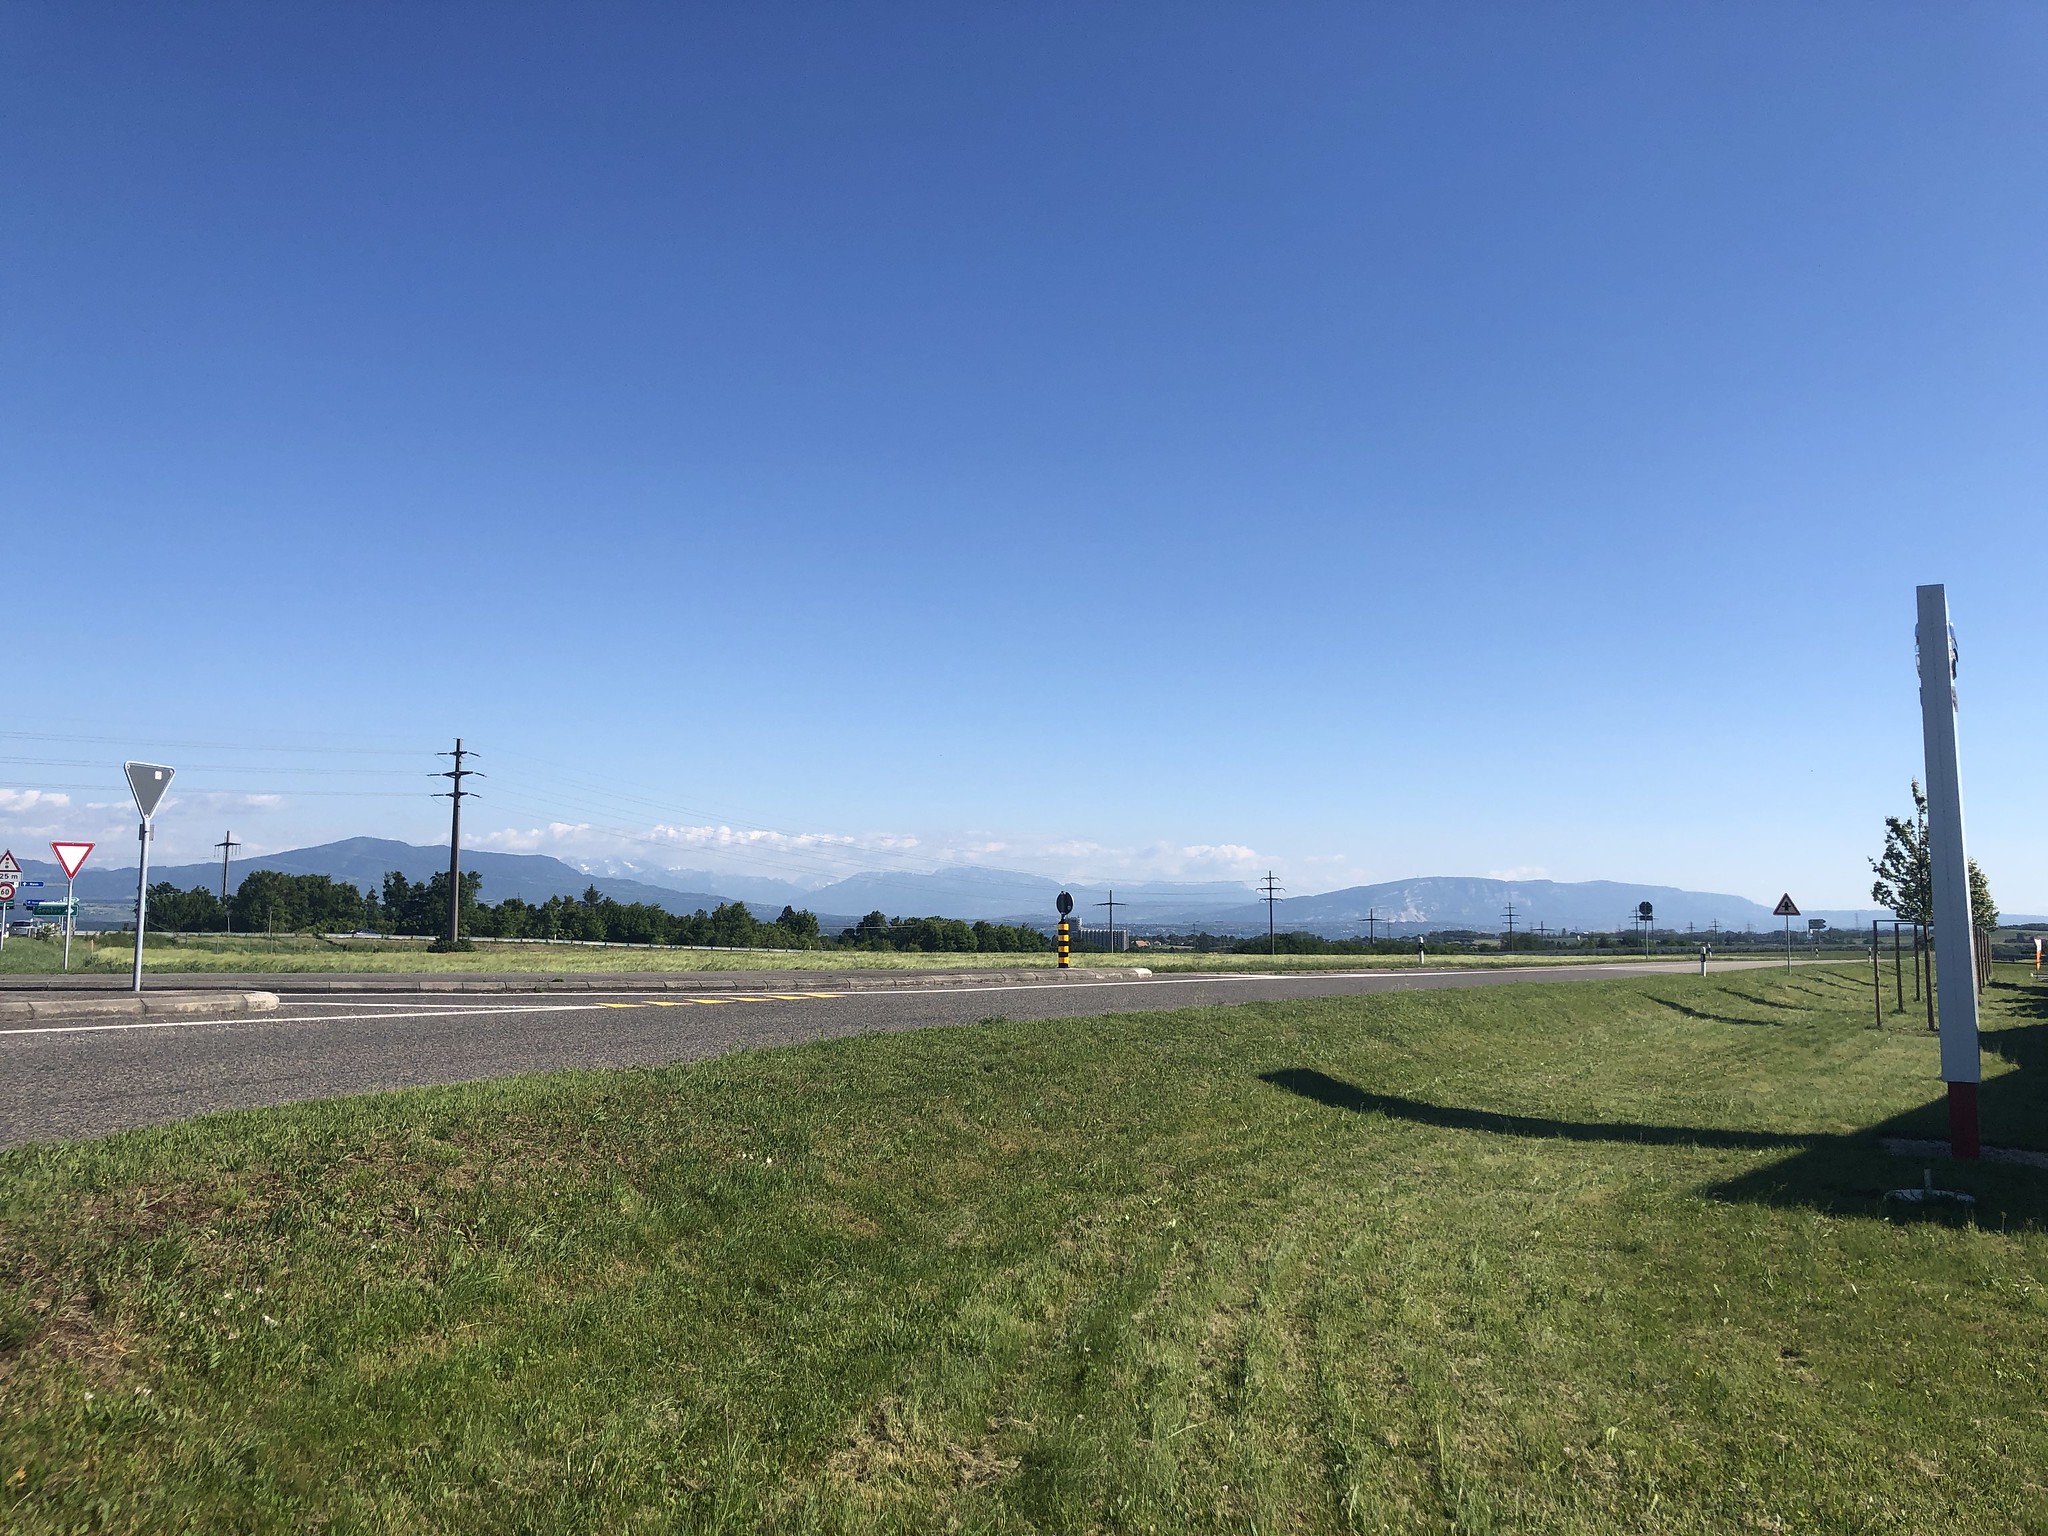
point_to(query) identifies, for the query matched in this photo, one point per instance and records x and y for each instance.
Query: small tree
(1983, 910)
(1905, 873)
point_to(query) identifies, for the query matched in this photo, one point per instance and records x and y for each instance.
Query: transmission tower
(227, 845)
(1272, 888)
(1110, 938)
(1509, 914)
(456, 795)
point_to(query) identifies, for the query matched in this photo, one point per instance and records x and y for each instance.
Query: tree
(174, 911)
(1983, 910)
(1905, 873)
(1905, 878)
(798, 925)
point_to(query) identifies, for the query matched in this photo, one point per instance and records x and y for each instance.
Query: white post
(141, 902)
(70, 918)
(1954, 949)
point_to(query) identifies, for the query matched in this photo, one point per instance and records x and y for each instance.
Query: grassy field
(1602, 1257)
(170, 954)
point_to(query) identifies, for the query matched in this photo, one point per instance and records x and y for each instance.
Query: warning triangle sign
(1785, 907)
(7, 864)
(71, 856)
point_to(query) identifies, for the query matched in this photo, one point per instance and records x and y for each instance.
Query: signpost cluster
(71, 856)
(147, 782)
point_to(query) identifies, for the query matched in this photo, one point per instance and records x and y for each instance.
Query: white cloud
(32, 799)
(1519, 872)
(512, 840)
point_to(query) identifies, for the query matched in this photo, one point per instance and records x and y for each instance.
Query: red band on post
(1962, 1120)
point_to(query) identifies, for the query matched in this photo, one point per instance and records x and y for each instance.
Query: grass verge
(170, 954)
(1570, 1258)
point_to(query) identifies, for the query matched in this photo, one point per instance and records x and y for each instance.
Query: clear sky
(1360, 441)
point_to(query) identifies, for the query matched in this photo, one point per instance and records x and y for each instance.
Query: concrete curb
(148, 1005)
(202, 988)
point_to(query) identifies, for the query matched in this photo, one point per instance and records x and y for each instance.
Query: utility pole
(227, 845)
(456, 796)
(1372, 918)
(1109, 943)
(1509, 914)
(1272, 888)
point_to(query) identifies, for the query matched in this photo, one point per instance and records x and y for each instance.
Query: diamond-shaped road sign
(71, 856)
(148, 781)
(1785, 907)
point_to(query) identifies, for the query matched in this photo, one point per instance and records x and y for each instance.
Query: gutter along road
(87, 1076)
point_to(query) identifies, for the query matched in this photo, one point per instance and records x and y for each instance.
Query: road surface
(86, 1077)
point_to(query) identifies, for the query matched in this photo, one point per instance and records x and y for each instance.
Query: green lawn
(1564, 1258)
(167, 954)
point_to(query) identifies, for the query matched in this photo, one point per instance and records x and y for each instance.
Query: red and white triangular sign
(71, 856)
(1786, 907)
(8, 867)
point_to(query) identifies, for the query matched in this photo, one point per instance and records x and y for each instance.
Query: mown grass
(172, 954)
(1571, 1258)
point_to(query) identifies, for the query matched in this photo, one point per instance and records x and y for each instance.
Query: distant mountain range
(972, 892)
(363, 861)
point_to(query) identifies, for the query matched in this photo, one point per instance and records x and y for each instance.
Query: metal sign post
(1788, 910)
(1066, 905)
(10, 877)
(147, 782)
(70, 859)
(1955, 957)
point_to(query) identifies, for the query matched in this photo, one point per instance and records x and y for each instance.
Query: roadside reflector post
(1066, 907)
(147, 782)
(1703, 958)
(1955, 957)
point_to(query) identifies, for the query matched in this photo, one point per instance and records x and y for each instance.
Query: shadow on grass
(1339, 1094)
(1713, 1018)
(1843, 1175)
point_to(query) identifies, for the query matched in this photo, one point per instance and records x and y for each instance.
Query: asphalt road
(87, 1077)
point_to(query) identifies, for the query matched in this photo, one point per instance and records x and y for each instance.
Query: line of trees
(941, 935)
(268, 901)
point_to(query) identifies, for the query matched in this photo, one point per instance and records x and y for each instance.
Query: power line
(1509, 914)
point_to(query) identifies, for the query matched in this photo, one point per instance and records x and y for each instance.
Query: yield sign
(71, 856)
(148, 781)
(1785, 907)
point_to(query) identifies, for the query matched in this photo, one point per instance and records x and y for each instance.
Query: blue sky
(1151, 441)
